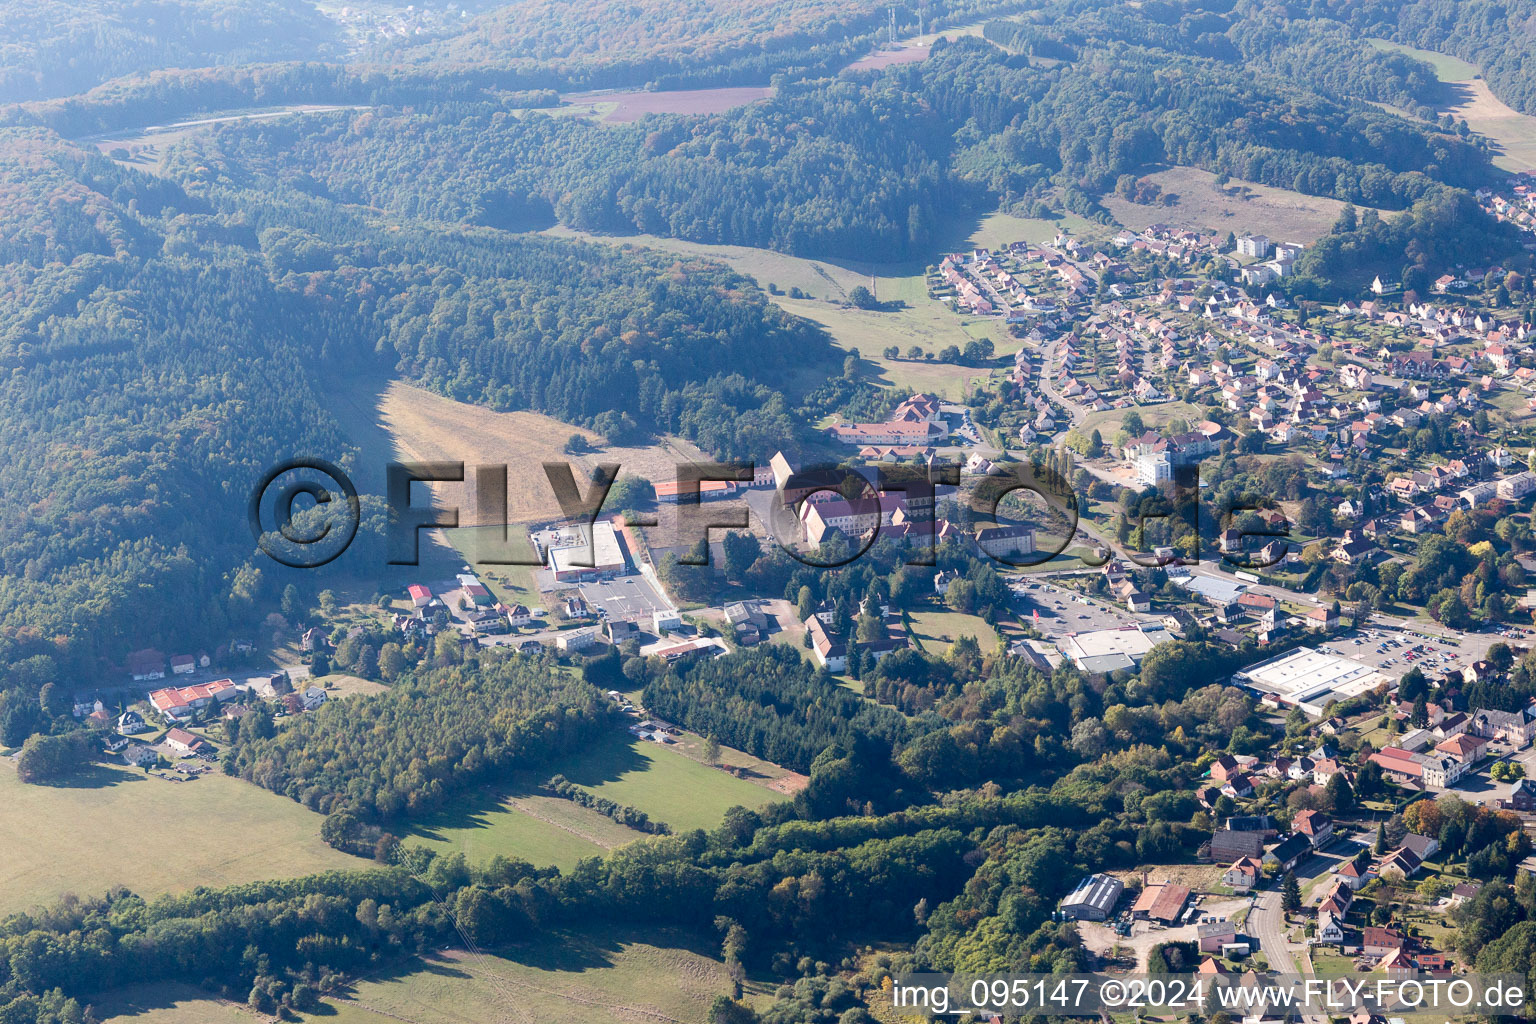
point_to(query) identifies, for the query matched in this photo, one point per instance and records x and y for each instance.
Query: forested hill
(160, 347)
(142, 392)
(869, 167)
(1496, 35)
(53, 47)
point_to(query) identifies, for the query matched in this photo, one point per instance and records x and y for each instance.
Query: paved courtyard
(632, 598)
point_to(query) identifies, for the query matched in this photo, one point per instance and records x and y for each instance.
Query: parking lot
(633, 598)
(1067, 611)
(1393, 650)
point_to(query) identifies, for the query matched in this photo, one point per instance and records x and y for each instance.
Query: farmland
(609, 974)
(397, 421)
(623, 107)
(164, 837)
(169, 1003)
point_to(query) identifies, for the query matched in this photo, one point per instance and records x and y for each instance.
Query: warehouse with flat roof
(1309, 679)
(1107, 650)
(588, 553)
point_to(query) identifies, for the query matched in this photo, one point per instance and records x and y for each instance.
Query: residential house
(184, 742)
(1213, 935)
(1380, 941)
(1245, 873)
(1315, 825)
(1290, 850)
(1401, 861)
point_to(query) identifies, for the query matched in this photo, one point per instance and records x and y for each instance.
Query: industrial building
(1093, 899)
(1309, 679)
(1108, 650)
(587, 553)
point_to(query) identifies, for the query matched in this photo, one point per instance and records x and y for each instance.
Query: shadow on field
(606, 759)
(94, 776)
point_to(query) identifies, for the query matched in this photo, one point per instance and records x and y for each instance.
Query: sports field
(121, 827)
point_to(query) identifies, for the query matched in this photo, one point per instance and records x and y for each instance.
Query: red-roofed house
(1464, 747)
(1315, 825)
(180, 702)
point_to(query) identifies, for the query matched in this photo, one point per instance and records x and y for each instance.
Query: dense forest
(515, 48)
(867, 167)
(406, 751)
(772, 704)
(161, 344)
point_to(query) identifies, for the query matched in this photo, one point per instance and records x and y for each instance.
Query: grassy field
(938, 630)
(1154, 417)
(998, 229)
(607, 975)
(519, 822)
(1469, 99)
(343, 684)
(150, 835)
(819, 279)
(1241, 207)
(519, 827)
(1447, 68)
(624, 107)
(169, 1003)
(927, 325)
(393, 420)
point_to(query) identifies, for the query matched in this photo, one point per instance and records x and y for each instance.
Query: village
(1375, 427)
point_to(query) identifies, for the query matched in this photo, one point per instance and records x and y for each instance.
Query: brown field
(890, 58)
(1243, 207)
(623, 107)
(1199, 877)
(399, 421)
(1513, 133)
(1469, 99)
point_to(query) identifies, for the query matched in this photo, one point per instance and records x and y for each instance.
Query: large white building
(1257, 246)
(1110, 650)
(1309, 679)
(587, 554)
